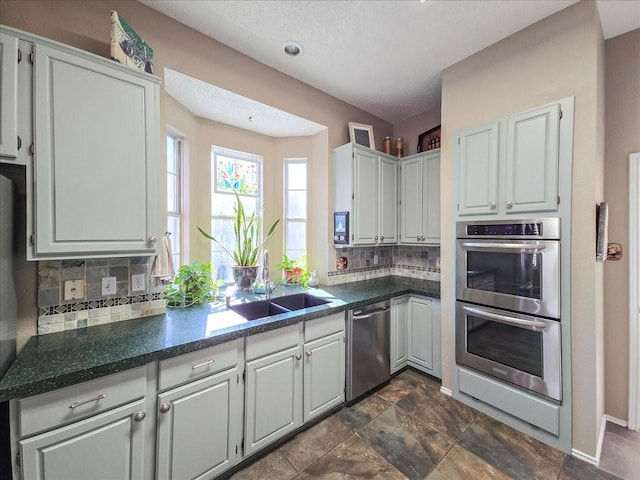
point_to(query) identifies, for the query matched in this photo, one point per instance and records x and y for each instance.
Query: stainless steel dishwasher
(367, 348)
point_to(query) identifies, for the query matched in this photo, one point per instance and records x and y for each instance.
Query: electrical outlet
(73, 289)
(375, 259)
(108, 285)
(438, 262)
(137, 282)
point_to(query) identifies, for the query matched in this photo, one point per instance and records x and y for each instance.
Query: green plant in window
(193, 284)
(294, 272)
(247, 232)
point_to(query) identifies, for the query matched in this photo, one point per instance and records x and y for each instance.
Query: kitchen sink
(267, 308)
(262, 308)
(299, 301)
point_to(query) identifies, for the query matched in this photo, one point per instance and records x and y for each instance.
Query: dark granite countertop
(56, 360)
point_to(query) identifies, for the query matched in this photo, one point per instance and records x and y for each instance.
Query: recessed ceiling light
(293, 49)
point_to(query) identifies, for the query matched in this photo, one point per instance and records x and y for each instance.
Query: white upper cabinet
(96, 162)
(8, 98)
(512, 166)
(366, 185)
(478, 170)
(531, 169)
(420, 199)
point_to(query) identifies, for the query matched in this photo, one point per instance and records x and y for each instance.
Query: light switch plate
(137, 282)
(73, 289)
(108, 285)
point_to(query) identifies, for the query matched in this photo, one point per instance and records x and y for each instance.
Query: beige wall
(411, 128)
(554, 58)
(85, 24)
(622, 133)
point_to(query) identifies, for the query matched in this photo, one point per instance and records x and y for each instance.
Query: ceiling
(384, 56)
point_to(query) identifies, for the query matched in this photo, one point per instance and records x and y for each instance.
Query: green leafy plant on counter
(294, 272)
(193, 284)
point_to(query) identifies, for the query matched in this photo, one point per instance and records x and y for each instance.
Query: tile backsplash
(407, 261)
(56, 314)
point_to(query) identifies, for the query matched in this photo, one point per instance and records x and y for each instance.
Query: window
(295, 207)
(174, 204)
(231, 171)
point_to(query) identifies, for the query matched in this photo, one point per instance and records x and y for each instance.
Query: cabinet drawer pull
(95, 399)
(165, 407)
(309, 353)
(204, 364)
(138, 417)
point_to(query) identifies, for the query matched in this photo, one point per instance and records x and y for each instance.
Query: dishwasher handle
(369, 313)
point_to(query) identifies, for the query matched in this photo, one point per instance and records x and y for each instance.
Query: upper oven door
(518, 275)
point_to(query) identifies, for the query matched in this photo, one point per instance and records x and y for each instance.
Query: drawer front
(323, 326)
(191, 366)
(69, 404)
(273, 341)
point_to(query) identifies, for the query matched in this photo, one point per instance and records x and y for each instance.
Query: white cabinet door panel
(324, 372)
(478, 170)
(531, 173)
(106, 446)
(431, 199)
(273, 398)
(421, 333)
(365, 191)
(94, 159)
(388, 201)
(399, 335)
(8, 97)
(411, 206)
(197, 434)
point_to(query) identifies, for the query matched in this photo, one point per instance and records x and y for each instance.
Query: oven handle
(504, 246)
(516, 322)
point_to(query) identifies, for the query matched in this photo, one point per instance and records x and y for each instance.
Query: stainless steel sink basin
(253, 310)
(299, 301)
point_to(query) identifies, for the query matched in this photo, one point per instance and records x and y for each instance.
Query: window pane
(172, 193)
(234, 174)
(297, 204)
(297, 173)
(172, 163)
(296, 235)
(222, 204)
(221, 263)
(173, 227)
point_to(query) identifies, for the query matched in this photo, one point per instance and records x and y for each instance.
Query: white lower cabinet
(289, 382)
(199, 422)
(96, 429)
(399, 339)
(105, 446)
(324, 365)
(197, 428)
(415, 334)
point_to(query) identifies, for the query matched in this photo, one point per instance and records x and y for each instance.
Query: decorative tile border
(85, 314)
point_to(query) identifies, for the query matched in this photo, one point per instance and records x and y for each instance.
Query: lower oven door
(519, 349)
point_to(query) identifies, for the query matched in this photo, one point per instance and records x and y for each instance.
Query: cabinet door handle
(298, 356)
(152, 240)
(509, 205)
(19, 142)
(418, 237)
(203, 364)
(165, 407)
(492, 206)
(138, 417)
(91, 400)
(309, 353)
(376, 238)
(382, 238)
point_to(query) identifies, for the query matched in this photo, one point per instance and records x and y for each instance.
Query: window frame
(178, 213)
(287, 220)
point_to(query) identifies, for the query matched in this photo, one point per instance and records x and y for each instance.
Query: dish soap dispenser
(313, 280)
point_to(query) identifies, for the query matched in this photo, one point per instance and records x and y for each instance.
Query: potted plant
(193, 284)
(247, 248)
(294, 272)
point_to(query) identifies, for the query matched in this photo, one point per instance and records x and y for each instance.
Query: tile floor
(409, 430)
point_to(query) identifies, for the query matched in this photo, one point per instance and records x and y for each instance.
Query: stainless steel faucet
(265, 273)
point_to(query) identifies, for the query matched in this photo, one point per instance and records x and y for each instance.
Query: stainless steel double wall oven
(508, 302)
